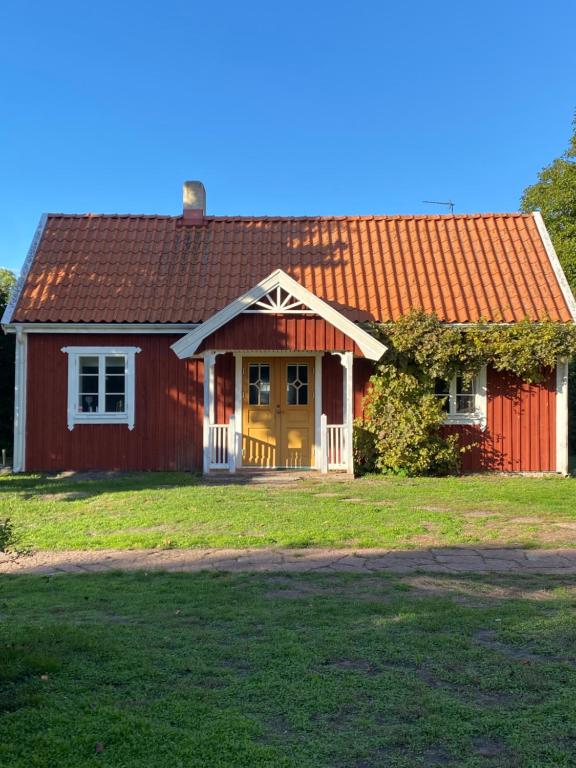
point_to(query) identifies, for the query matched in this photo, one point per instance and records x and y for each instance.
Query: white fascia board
(73, 328)
(371, 348)
(16, 293)
(555, 263)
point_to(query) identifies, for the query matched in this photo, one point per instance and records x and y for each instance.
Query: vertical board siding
(520, 435)
(332, 389)
(169, 409)
(293, 333)
(224, 388)
(362, 371)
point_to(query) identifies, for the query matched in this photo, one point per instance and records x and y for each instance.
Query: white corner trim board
(75, 416)
(370, 346)
(15, 295)
(562, 417)
(19, 457)
(555, 262)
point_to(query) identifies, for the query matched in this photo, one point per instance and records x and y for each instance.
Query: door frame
(238, 385)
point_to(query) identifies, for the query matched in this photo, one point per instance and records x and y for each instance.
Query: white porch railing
(333, 446)
(221, 446)
(336, 446)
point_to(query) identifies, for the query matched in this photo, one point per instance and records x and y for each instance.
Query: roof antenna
(449, 203)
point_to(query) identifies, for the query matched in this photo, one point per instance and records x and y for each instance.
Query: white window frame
(79, 417)
(480, 402)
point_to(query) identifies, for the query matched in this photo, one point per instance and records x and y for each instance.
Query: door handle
(278, 411)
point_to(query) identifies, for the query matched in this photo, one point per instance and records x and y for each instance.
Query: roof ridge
(351, 217)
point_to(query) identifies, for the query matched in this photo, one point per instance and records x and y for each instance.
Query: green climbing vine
(401, 429)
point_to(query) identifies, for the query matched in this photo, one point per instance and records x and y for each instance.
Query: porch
(270, 410)
(290, 361)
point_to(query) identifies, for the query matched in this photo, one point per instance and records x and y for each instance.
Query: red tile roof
(113, 268)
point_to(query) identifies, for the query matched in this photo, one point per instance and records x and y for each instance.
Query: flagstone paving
(444, 560)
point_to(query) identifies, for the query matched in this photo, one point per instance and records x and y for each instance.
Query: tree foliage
(554, 195)
(7, 282)
(401, 431)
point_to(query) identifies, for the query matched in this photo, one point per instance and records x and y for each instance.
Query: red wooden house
(201, 342)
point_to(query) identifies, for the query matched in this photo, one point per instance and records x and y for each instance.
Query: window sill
(100, 418)
(476, 420)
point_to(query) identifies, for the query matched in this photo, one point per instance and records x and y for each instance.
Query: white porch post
(324, 444)
(562, 417)
(318, 434)
(238, 410)
(209, 361)
(347, 360)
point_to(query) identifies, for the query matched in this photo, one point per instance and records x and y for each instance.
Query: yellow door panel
(278, 412)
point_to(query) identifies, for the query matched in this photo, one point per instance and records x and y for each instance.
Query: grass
(287, 671)
(178, 510)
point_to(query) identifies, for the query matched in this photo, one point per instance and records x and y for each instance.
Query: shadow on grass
(287, 670)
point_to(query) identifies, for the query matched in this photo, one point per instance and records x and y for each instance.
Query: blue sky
(280, 108)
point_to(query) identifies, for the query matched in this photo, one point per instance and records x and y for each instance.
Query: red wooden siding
(224, 388)
(520, 434)
(521, 431)
(521, 424)
(332, 389)
(169, 410)
(361, 371)
(293, 333)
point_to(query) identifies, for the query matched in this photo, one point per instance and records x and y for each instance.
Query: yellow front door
(278, 412)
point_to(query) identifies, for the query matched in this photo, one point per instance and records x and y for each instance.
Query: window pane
(89, 385)
(297, 384)
(463, 388)
(114, 385)
(465, 404)
(116, 364)
(88, 365)
(259, 384)
(442, 390)
(88, 403)
(115, 404)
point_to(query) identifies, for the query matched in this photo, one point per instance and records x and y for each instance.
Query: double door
(277, 412)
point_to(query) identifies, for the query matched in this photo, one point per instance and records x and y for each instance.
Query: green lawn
(251, 670)
(178, 510)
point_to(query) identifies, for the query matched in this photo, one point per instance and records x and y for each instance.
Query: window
(464, 401)
(259, 384)
(297, 385)
(101, 385)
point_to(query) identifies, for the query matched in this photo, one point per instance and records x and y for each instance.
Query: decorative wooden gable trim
(279, 301)
(280, 290)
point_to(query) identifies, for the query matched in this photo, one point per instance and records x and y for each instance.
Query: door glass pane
(297, 384)
(259, 384)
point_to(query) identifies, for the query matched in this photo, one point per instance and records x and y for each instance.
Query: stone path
(443, 560)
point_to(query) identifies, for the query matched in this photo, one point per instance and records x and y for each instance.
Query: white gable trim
(555, 262)
(370, 346)
(15, 296)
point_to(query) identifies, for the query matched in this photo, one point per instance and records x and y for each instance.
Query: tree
(7, 282)
(554, 195)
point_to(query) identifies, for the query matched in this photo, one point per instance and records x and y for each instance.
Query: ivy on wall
(401, 428)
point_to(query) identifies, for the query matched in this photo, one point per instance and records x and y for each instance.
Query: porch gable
(279, 295)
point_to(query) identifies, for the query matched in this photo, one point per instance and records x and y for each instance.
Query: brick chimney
(194, 201)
